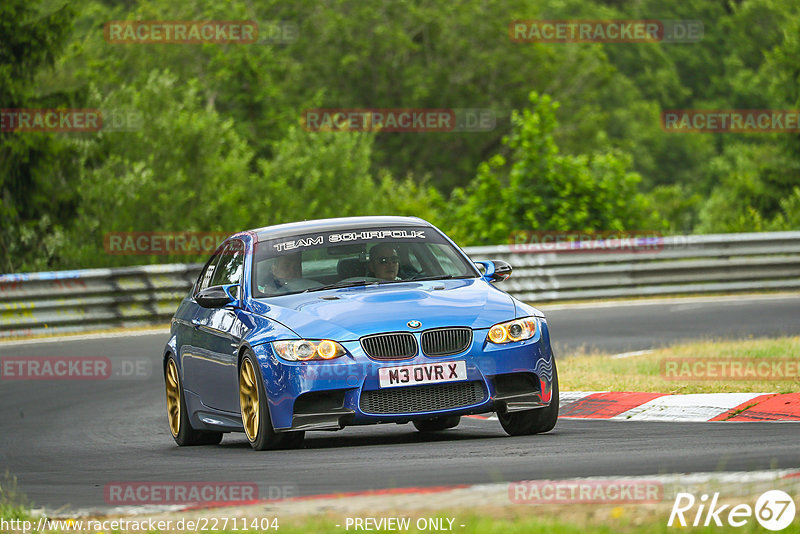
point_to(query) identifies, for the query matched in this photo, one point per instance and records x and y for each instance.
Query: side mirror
(218, 296)
(495, 270)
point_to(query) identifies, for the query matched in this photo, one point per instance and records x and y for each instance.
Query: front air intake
(421, 399)
(446, 341)
(391, 346)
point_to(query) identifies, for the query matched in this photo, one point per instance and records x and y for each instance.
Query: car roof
(339, 223)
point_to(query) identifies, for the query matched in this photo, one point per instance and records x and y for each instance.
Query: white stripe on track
(622, 355)
(84, 337)
(686, 408)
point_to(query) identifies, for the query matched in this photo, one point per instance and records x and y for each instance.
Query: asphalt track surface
(65, 440)
(640, 325)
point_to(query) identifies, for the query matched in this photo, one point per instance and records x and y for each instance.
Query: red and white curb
(695, 407)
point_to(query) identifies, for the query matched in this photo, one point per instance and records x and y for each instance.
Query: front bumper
(327, 395)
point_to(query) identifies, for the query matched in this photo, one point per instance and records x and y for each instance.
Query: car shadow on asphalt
(368, 437)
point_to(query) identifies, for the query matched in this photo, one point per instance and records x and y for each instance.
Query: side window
(204, 280)
(229, 267)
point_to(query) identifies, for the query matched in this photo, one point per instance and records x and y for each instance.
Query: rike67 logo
(774, 510)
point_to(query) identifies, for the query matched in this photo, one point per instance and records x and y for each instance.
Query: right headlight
(516, 330)
(303, 350)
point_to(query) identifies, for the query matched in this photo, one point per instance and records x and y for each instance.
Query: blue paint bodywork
(208, 343)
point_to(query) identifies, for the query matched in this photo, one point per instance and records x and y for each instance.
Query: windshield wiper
(353, 283)
(438, 277)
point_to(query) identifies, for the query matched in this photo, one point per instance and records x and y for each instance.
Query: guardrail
(93, 299)
(679, 264)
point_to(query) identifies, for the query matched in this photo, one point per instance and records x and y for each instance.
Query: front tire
(438, 423)
(179, 425)
(533, 421)
(255, 412)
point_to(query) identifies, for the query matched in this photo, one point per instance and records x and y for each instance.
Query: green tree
(751, 192)
(329, 175)
(37, 188)
(180, 167)
(539, 188)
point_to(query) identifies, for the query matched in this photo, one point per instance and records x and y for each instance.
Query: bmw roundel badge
(414, 323)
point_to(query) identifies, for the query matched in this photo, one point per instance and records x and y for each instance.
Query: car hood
(348, 313)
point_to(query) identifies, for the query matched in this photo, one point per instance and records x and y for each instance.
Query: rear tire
(255, 412)
(180, 427)
(533, 421)
(438, 423)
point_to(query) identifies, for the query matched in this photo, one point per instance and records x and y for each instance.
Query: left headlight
(303, 350)
(516, 330)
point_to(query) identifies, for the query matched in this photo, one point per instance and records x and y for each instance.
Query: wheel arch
(167, 354)
(242, 349)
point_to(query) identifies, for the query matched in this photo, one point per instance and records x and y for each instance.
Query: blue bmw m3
(319, 325)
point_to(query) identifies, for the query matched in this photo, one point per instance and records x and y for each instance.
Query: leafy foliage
(36, 200)
(220, 145)
(13, 503)
(540, 188)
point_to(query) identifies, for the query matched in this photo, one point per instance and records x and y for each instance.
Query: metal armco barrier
(691, 264)
(94, 299)
(91, 299)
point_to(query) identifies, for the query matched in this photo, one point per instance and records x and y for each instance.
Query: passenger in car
(384, 261)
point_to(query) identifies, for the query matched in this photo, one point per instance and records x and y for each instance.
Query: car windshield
(343, 258)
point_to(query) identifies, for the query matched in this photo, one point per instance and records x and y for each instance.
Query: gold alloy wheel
(173, 397)
(248, 399)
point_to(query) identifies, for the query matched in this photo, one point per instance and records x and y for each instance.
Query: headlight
(515, 330)
(303, 350)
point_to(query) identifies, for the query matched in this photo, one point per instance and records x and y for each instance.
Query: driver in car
(287, 268)
(384, 262)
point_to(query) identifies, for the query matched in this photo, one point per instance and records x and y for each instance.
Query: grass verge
(521, 519)
(585, 519)
(13, 503)
(673, 369)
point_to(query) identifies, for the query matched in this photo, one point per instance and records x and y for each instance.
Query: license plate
(425, 373)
